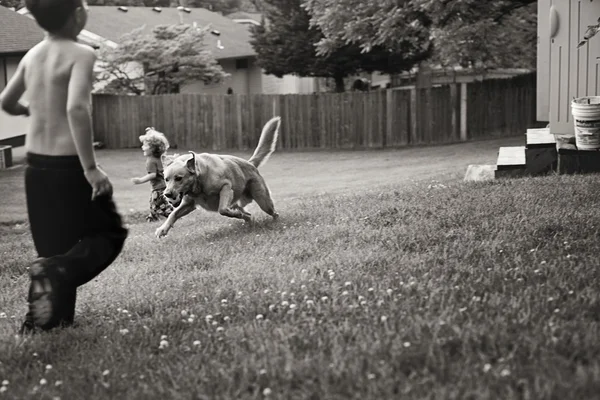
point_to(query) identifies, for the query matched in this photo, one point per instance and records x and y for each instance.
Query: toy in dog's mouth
(175, 202)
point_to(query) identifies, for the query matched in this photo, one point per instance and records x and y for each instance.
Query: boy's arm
(9, 98)
(79, 107)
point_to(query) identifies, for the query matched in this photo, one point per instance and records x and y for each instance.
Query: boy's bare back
(59, 75)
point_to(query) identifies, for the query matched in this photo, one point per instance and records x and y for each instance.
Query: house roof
(111, 23)
(18, 33)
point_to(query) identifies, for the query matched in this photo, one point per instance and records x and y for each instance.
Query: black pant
(70, 230)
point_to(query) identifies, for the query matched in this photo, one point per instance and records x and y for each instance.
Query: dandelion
(345, 293)
(35, 354)
(163, 344)
(123, 331)
(224, 301)
(267, 391)
(105, 372)
(48, 367)
(370, 376)
(348, 283)
(125, 312)
(384, 318)
(360, 298)
(226, 318)
(505, 372)
(389, 292)
(283, 294)
(571, 292)
(406, 344)
(3, 389)
(550, 299)
(259, 317)
(303, 287)
(310, 302)
(58, 383)
(2, 315)
(293, 281)
(196, 343)
(5, 382)
(208, 318)
(214, 323)
(220, 329)
(292, 306)
(462, 309)
(487, 367)
(184, 313)
(324, 298)
(262, 372)
(266, 291)
(271, 307)
(285, 303)
(303, 271)
(363, 303)
(163, 337)
(557, 310)
(370, 290)
(43, 381)
(292, 294)
(190, 320)
(543, 262)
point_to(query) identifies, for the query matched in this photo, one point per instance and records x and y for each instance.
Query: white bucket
(586, 116)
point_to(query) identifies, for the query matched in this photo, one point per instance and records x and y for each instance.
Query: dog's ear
(191, 163)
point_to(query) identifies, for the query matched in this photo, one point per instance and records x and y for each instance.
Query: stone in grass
(480, 172)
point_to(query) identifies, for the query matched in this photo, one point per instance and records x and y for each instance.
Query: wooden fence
(379, 119)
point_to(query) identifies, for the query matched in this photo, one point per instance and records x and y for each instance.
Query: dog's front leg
(225, 205)
(187, 206)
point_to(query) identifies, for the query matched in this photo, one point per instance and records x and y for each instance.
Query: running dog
(220, 183)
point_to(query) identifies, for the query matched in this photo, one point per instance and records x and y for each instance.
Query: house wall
(12, 129)
(288, 84)
(573, 72)
(241, 80)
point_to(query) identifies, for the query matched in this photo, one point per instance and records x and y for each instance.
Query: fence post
(463, 111)
(238, 118)
(389, 116)
(413, 116)
(453, 107)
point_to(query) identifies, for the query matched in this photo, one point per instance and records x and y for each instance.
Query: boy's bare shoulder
(83, 51)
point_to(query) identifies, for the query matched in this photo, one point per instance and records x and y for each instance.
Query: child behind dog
(154, 145)
(75, 226)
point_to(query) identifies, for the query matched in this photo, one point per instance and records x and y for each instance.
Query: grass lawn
(372, 285)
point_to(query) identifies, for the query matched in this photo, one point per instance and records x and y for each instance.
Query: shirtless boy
(76, 228)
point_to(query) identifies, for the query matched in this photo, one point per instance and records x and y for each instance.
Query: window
(241, 63)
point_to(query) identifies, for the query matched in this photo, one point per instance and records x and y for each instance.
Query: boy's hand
(137, 181)
(101, 186)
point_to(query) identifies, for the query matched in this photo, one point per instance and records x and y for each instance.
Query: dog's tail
(266, 143)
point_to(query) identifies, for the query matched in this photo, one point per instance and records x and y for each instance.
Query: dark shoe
(46, 287)
(28, 327)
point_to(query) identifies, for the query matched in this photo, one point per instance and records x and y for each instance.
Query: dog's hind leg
(228, 209)
(260, 193)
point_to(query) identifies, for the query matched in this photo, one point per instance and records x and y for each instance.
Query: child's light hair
(156, 140)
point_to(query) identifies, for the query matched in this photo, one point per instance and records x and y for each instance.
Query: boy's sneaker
(46, 287)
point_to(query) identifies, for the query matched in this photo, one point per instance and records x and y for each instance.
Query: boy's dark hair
(52, 15)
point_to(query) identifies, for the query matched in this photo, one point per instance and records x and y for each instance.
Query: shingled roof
(111, 23)
(18, 33)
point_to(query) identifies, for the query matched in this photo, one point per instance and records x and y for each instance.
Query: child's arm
(80, 120)
(9, 98)
(144, 178)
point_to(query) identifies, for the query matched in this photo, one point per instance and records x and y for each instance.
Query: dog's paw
(162, 231)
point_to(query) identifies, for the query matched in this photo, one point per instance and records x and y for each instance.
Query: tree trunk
(339, 83)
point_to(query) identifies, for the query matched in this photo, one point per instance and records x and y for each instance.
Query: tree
(466, 32)
(169, 57)
(286, 45)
